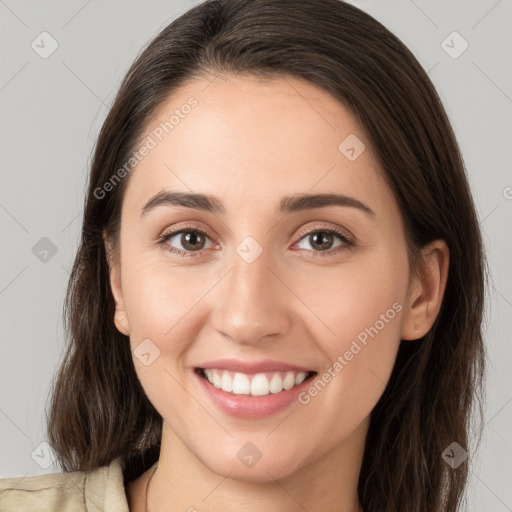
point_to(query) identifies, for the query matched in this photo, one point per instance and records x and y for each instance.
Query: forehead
(254, 140)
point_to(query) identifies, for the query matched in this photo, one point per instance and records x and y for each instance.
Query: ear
(425, 294)
(120, 316)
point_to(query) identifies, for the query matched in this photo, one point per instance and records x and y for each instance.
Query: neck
(329, 482)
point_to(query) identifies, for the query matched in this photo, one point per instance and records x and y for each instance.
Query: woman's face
(296, 264)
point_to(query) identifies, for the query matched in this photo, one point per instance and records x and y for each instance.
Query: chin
(272, 465)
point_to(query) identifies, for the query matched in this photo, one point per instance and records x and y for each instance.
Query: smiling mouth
(257, 384)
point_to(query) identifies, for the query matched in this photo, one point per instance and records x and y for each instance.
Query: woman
(277, 300)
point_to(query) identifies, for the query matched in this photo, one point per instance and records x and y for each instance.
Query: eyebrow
(288, 204)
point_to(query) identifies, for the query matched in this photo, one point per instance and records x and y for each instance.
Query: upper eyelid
(337, 230)
(174, 231)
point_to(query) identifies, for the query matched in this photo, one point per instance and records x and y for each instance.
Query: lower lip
(248, 406)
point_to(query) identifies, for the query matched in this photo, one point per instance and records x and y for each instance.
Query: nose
(253, 305)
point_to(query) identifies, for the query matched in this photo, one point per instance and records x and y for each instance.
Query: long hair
(98, 409)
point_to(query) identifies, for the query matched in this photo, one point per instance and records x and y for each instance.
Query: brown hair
(98, 409)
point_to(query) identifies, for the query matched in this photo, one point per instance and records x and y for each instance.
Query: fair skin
(249, 142)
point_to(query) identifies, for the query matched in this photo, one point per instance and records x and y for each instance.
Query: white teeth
(241, 384)
(289, 381)
(216, 379)
(226, 382)
(259, 385)
(299, 379)
(276, 383)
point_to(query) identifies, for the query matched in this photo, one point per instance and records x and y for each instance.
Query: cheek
(360, 309)
(159, 297)
(351, 299)
(160, 303)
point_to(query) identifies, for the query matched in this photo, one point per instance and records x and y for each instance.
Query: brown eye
(325, 241)
(192, 240)
(321, 240)
(186, 241)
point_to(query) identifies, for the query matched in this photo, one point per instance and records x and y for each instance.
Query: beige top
(101, 490)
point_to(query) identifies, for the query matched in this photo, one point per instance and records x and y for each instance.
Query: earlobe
(426, 292)
(120, 316)
(121, 323)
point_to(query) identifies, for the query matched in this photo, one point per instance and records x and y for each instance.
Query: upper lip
(266, 365)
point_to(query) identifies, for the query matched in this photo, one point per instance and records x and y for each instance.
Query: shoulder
(99, 490)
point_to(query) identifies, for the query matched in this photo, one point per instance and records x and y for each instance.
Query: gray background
(51, 112)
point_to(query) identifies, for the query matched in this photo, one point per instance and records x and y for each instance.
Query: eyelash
(344, 237)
